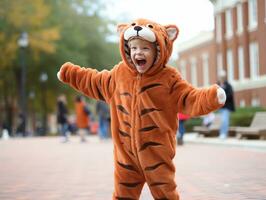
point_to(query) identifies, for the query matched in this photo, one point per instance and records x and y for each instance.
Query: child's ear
(172, 31)
(121, 27)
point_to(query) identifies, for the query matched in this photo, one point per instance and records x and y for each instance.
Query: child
(145, 96)
(182, 118)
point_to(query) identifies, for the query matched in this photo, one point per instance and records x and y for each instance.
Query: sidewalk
(43, 168)
(194, 138)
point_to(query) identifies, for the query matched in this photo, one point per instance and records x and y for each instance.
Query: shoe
(222, 137)
(180, 141)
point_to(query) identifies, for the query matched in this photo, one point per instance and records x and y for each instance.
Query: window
(254, 60)
(218, 28)
(183, 69)
(241, 63)
(230, 65)
(265, 12)
(194, 79)
(205, 64)
(255, 102)
(219, 62)
(229, 23)
(242, 103)
(239, 18)
(252, 14)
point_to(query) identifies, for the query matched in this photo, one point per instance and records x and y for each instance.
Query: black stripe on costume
(124, 134)
(148, 110)
(122, 109)
(127, 124)
(128, 167)
(108, 81)
(131, 153)
(147, 144)
(131, 185)
(153, 167)
(184, 100)
(124, 198)
(100, 94)
(148, 128)
(157, 184)
(149, 86)
(162, 199)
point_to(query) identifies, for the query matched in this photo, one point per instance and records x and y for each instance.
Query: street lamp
(43, 79)
(23, 43)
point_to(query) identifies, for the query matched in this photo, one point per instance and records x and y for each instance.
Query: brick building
(237, 45)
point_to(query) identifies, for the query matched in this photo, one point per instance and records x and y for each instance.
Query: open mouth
(141, 62)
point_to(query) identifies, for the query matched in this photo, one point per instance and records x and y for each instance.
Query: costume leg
(159, 170)
(129, 180)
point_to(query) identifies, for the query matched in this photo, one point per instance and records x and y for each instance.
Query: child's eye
(133, 48)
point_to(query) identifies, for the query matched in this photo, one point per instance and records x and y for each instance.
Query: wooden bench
(212, 130)
(257, 128)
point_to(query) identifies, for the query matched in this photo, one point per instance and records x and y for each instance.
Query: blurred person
(182, 118)
(145, 95)
(62, 117)
(21, 128)
(102, 110)
(82, 117)
(229, 105)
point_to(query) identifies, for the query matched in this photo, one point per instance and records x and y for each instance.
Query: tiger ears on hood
(121, 27)
(172, 31)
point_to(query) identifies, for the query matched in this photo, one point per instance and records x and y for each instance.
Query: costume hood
(163, 36)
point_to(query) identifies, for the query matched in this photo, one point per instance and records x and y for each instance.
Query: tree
(59, 31)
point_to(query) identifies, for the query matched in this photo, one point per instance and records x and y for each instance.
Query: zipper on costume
(134, 115)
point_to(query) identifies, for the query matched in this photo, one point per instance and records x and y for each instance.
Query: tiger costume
(143, 110)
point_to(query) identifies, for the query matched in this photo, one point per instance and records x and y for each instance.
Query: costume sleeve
(194, 101)
(92, 83)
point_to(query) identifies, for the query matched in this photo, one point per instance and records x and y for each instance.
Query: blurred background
(38, 36)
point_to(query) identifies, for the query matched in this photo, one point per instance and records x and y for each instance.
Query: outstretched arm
(197, 101)
(92, 83)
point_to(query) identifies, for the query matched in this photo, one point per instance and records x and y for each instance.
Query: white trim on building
(249, 84)
(203, 37)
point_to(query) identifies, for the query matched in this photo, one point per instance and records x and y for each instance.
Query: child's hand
(221, 95)
(58, 73)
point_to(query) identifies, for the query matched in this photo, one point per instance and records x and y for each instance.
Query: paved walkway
(45, 169)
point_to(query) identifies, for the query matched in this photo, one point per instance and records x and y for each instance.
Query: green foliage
(244, 116)
(59, 31)
(189, 124)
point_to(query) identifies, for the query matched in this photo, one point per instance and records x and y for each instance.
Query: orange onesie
(143, 110)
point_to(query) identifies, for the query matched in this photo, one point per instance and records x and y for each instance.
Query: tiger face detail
(163, 36)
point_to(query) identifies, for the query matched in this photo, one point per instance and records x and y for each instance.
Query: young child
(145, 95)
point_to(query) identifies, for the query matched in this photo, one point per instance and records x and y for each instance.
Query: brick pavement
(45, 169)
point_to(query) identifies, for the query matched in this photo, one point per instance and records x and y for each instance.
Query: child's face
(142, 53)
